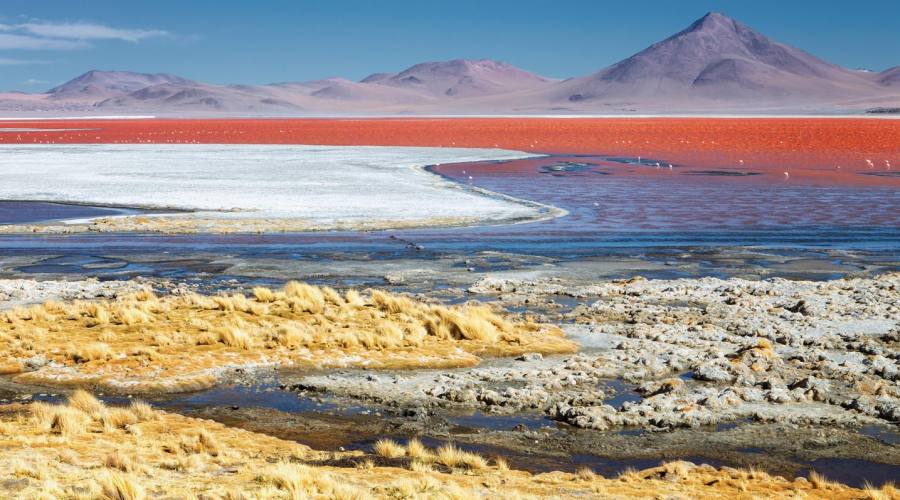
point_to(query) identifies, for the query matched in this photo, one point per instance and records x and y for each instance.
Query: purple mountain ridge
(718, 59)
(715, 65)
(461, 78)
(890, 76)
(105, 84)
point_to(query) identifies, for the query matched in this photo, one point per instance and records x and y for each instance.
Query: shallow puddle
(30, 212)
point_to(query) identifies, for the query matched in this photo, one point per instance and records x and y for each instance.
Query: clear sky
(43, 43)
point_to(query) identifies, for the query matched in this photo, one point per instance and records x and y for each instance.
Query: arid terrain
(561, 358)
(806, 355)
(57, 450)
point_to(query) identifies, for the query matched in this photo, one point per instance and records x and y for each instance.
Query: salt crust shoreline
(241, 188)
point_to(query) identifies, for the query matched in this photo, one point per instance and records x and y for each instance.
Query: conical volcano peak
(717, 24)
(717, 59)
(713, 19)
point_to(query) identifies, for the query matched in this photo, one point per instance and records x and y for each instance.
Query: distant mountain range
(717, 64)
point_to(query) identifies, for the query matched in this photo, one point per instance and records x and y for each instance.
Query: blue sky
(43, 43)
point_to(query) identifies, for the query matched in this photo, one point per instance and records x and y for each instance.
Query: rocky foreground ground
(668, 357)
(662, 354)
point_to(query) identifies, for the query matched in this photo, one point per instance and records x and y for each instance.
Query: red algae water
(612, 174)
(825, 149)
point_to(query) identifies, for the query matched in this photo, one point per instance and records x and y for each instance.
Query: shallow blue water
(29, 212)
(609, 215)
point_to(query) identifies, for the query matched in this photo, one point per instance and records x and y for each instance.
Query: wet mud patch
(637, 161)
(576, 168)
(121, 267)
(721, 173)
(891, 174)
(334, 424)
(82, 264)
(478, 420)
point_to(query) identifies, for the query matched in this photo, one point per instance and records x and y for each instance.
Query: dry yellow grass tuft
(117, 418)
(145, 343)
(85, 402)
(68, 422)
(416, 450)
(420, 466)
(263, 294)
(820, 482)
(118, 486)
(886, 492)
(453, 457)
(301, 481)
(91, 352)
(586, 474)
(389, 448)
(119, 461)
(142, 411)
(628, 475)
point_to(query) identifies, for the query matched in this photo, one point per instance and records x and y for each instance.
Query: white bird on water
(787, 175)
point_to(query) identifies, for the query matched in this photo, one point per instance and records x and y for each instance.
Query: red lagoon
(816, 150)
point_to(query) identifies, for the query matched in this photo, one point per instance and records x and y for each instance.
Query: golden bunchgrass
(118, 486)
(453, 457)
(167, 455)
(388, 448)
(145, 343)
(417, 451)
